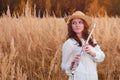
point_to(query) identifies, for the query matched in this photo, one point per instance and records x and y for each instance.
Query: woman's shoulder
(69, 41)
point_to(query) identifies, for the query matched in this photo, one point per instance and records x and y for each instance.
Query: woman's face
(77, 26)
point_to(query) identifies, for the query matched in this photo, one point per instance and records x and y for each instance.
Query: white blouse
(86, 69)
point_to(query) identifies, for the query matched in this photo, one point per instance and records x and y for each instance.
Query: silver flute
(81, 52)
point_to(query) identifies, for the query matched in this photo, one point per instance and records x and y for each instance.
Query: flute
(81, 52)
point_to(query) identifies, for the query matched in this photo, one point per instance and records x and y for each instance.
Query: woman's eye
(73, 22)
(80, 22)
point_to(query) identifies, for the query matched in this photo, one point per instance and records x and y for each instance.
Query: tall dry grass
(30, 48)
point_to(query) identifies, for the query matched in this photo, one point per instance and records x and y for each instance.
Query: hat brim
(86, 18)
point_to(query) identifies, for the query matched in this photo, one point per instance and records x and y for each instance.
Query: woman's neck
(79, 36)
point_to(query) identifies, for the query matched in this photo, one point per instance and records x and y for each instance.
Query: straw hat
(81, 15)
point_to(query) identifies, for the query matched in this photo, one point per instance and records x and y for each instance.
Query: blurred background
(60, 8)
(32, 33)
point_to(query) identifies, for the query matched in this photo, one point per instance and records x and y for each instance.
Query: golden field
(30, 47)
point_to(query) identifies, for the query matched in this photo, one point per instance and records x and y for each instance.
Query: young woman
(78, 32)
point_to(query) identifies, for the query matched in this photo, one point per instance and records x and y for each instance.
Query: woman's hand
(89, 49)
(75, 61)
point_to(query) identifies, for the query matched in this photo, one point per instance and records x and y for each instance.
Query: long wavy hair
(85, 33)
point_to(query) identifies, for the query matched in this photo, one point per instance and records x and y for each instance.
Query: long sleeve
(67, 50)
(99, 54)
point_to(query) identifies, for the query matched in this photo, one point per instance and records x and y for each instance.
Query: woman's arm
(99, 54)
(67, 50)
(96, 52)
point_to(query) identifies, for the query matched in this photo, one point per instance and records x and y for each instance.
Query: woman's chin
(78, 32)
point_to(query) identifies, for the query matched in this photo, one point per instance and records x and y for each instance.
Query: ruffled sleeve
(67, 50)
(99, 54)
